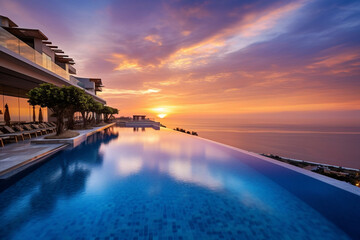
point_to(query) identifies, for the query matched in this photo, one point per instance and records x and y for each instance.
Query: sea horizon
(334, 144)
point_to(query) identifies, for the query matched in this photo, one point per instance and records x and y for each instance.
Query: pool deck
(15, 158)
(18, 156)
(75, 141)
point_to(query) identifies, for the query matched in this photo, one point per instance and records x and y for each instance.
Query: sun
(161, 112)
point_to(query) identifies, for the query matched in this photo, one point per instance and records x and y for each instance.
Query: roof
(11, 23)
(58, 51)
(26, 33)
(64, 59)
(96, 80)
(98, 83)
(36, 33)
(61, 56)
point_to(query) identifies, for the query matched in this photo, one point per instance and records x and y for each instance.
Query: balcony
(14, 44)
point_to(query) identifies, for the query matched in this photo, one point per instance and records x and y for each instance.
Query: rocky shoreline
(349, 175)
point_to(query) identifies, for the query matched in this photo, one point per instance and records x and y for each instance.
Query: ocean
(336, 145)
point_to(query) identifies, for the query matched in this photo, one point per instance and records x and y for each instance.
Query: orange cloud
(108, 92)
(330, 61)
(124, 63)
(154, 39)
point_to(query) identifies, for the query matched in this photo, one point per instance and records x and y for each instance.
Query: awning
(26, 33)
(98, 83)
(58, 51)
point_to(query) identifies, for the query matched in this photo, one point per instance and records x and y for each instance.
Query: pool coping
(8, 173)
(75, 141)
(14, 173)
(334, 182)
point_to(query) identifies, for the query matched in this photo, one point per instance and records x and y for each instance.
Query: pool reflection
(136, 184)
(167, 154)
(60, 178)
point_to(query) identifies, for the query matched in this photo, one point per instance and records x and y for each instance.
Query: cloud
(210, 56)
(128, 91)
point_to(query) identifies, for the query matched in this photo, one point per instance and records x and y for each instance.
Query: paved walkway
(18, 154)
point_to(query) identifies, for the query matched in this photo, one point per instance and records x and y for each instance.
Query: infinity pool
(129, 183)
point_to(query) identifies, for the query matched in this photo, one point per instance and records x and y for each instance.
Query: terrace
(17, 158)
(9, 38)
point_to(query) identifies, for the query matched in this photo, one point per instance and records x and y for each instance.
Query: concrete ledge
(13, 174)
(10, 172)
(75, 141)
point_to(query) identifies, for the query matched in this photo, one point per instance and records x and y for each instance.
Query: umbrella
(7, 115)
(40, 116)
(33, 113)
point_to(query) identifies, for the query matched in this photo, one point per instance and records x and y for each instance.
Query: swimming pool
(129, 183)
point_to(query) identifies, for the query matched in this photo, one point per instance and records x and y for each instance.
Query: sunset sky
(298, 60)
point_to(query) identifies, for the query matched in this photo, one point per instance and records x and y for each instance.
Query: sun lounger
(17, 131)
(39, 128)
(2, 138)
(13, 132)
(23, 131)
(10, 135)
(52, 123)
(46, 127)
(29, 128)
(1, 142)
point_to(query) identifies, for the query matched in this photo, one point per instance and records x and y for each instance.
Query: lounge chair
(13, 132)
(46, 127)
(2, 138)
(52, 123)
(29, 128)
(1, 142)
(8, 136)
(23, 131)
(37, 127)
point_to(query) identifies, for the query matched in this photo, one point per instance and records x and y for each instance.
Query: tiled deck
(16, 157)
(15, 153)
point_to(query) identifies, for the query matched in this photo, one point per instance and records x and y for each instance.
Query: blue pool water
(127, 184)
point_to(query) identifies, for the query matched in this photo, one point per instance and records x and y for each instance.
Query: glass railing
(14, 44)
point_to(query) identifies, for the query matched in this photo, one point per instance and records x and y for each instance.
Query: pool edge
(334, 182)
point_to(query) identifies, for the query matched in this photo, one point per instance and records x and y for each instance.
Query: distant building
(139, 117)
(27, 59)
